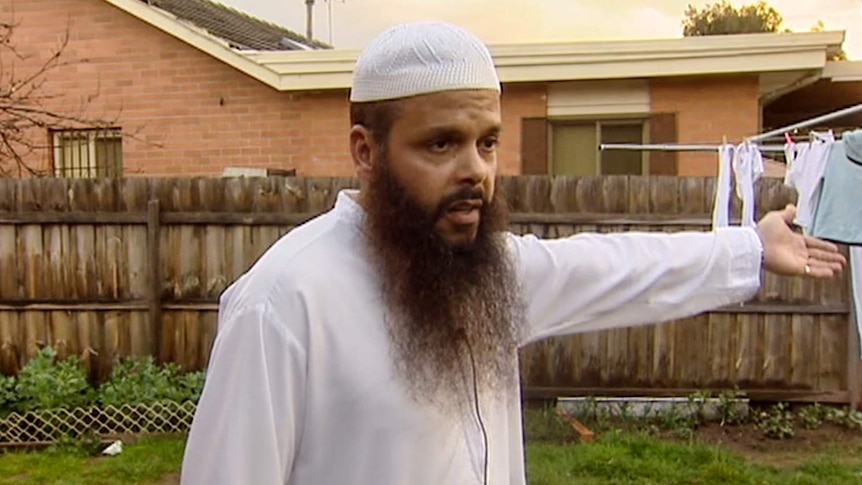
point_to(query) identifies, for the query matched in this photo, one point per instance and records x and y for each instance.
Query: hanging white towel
(721, 206)
(822, 135)
(747, 169)
(806, 176)
(792, 153)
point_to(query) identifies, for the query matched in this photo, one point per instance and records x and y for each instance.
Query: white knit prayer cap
(420, 58)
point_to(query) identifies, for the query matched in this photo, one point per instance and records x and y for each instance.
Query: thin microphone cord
(478, 409)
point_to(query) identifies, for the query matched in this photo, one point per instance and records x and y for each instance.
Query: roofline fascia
(198, 39)
(751, 53)
(843, 71)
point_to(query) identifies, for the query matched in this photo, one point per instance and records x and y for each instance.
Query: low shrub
(47, 382)
(141, 381)
(777, 422)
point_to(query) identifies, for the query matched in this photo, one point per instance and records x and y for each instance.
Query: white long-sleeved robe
(300, 388)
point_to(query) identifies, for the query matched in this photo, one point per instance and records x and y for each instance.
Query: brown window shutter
(534, 146)
(662, 129)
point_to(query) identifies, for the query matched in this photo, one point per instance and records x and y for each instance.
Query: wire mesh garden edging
(51, 425)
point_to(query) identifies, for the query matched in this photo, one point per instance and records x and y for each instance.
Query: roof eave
(843, 71)
(756, 53)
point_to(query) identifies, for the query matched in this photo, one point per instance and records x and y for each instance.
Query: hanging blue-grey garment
(838, 217)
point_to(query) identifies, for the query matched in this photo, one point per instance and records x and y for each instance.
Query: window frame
(642, 119)
(91, 166)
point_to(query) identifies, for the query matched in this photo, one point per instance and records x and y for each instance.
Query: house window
(88, 153)
(575, 152)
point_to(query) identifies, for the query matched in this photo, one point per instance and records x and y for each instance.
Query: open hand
(789, 253)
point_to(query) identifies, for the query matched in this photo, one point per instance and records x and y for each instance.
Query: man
(377, 344)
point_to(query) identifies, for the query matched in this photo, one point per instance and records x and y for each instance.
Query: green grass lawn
(554, 457)
(149, 461)
(625, 458)
(825, 456)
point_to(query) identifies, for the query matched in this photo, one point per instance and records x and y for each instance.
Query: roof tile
(240, 30)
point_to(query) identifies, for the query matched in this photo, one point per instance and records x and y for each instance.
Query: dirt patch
(750, 441)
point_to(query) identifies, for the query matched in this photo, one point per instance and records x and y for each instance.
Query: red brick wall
(195, 115)
(707, 109)
(518, 101)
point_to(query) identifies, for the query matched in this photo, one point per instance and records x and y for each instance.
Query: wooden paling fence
(117, 267)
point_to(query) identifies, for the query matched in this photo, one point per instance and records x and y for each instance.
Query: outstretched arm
(600, 281)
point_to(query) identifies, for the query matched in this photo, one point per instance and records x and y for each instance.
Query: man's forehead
(462, 99)
(452, 111)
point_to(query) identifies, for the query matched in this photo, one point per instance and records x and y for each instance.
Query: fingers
(814, 243)
(835, 266)
(823, 269)
(825, 272)
(824, 260)
(826, 256)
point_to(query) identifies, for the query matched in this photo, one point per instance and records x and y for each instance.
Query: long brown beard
(448, 307)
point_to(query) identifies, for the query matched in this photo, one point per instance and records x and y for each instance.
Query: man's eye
(439, 145)
(490, 143)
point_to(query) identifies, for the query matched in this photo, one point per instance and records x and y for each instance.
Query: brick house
(200, 97)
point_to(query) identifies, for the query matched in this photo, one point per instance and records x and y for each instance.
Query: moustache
(465, 194)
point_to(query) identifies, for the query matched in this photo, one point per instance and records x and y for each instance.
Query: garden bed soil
(749, 440)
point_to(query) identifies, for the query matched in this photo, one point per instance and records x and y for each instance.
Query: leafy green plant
(142, 381)
(8, 396)
(728, 407)
(623, 412)
(812, 417)
(48, 383)
(134, 381)
(696, 406)
(681, 424)
(777, 423)
(189, 386)
(684, 420)
(845, 417)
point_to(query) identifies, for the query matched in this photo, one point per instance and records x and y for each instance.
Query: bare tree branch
(26, 109)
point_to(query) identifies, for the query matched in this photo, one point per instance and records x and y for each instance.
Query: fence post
(155, 274)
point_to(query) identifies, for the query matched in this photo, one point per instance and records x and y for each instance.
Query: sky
(355, 22)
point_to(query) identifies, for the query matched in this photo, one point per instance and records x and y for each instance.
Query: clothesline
(752, 139)
(674, 147)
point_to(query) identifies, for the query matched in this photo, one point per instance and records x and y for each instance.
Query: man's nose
(472, 167)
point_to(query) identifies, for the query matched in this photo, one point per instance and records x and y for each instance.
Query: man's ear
(362, 149)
